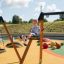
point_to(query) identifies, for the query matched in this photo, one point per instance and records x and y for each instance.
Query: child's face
(34, 22)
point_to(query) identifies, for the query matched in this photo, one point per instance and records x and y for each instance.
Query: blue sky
(28, 9)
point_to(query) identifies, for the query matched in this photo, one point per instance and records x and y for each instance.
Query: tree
(57, 20)
(16, 19)
(20, 20)
(10, 22)
(30, 21)
(1, 20)
(61, 16)
(24, 22)
(45, 20)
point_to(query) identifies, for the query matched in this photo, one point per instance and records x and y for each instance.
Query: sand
(9, 57)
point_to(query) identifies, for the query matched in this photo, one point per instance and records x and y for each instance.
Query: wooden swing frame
(40, 19)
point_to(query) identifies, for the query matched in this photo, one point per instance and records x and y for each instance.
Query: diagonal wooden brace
(11, 40)
(26, 51)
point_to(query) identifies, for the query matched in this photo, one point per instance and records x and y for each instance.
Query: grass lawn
(25, 27)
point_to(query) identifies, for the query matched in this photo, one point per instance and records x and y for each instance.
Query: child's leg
(31, 34)
(24, 39)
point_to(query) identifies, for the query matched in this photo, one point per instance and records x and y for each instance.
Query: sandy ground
(9, 57)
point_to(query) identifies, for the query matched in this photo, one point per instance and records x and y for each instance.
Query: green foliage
(24, 22)
(45, 20)
(20, 20)
(10, 22)
(16, 19)
(54, 27)
(38, 44)
(62, 43)
(57, 20)
(61, 16)
(30, 21)
(1, 19)
(25, 27)
(1, 22)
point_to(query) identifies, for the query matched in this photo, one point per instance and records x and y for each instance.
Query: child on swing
(35, 31)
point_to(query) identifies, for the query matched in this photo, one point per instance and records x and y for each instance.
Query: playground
(39, 50)
(49, 57)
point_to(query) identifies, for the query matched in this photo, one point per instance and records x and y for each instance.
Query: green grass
(59, 51)
(17, 28)
(25, 27)
(55, 27)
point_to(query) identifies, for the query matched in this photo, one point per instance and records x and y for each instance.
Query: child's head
(34, 22)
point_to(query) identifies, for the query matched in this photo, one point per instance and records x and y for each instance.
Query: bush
(62, 43)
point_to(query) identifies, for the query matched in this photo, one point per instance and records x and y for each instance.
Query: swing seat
(2, 50)
(9, 45)
(35, 38)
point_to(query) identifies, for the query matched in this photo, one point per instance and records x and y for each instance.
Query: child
(35, 31)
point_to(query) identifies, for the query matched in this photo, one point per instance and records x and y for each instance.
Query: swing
(11, 39)
(2, 50)
(9, 45)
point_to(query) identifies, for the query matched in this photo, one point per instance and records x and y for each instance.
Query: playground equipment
(40, 19)
(11, 39)
(9, 45)
(2, 49)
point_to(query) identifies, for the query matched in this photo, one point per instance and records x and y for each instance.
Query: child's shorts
(35, 35)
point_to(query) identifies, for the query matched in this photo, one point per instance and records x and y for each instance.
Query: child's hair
(34, 20)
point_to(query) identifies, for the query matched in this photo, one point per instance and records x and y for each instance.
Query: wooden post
(41, 40)
(40, 20)
(26, 51)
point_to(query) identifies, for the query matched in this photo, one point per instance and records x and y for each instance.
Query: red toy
(45, 46)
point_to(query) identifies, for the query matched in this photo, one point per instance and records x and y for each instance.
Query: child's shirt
(35, 30)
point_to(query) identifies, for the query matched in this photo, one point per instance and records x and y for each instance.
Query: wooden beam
(53, 13)
(41, 40)
(26, 51)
